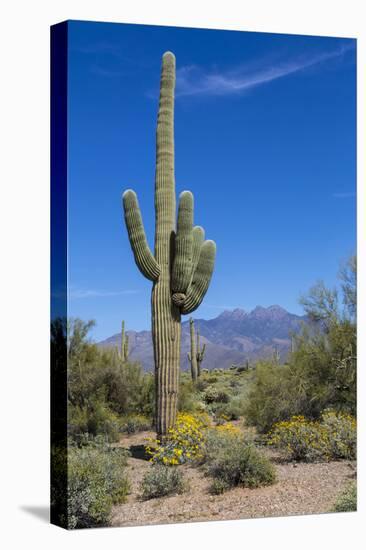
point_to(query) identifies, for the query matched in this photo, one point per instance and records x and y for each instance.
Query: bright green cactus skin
(182, 264)
(196, 355)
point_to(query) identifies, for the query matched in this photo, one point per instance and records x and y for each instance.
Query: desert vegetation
(235, 428)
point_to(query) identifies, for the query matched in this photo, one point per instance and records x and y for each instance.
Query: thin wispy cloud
(212, 306)
(80, 293)
(193, 80)
(347, 195)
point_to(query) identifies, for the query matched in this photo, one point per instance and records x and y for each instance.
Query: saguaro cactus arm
(143, 257)
(182, 266)
(198, 238)
(201, 277)
(202, 352)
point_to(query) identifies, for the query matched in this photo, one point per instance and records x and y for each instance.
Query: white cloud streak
(80, 294)
(212, 306)
(193, 80)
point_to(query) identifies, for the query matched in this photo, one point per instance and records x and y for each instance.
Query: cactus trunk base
(166, 331)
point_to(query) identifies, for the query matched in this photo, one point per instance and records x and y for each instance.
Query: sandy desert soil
(300, 489)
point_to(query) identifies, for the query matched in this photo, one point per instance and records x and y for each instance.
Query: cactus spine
(196, 355)
(182, 264)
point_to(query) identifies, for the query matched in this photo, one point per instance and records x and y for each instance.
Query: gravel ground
(301, 489)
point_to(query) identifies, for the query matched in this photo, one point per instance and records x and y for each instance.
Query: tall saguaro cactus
(182, 264)
(196, 355)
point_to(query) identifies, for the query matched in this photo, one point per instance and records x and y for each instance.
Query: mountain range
(233, 337)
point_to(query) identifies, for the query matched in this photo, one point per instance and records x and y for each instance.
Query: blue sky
(265, 140)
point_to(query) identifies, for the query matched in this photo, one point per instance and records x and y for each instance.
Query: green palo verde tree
(196, 355)
(182, 264)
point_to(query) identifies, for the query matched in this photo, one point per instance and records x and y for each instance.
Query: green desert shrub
(270, 399)
(347, 500)
(161, 481)
(97, 374)
(236, 407)
(95, 419)
(232, 410)
(96, 480)
(77, 420)
(103, 421)
(321, 371)
(341, 433)
(330, 438)
(218, 486)
(100, 389)
(135, 423)
(215, 394)
(189, 399)
(201, 384)
(232, 461)
(242, 368)
(127, 388)
(300, 439)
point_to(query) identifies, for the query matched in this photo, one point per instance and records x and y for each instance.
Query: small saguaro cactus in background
(182, 264)
(276, 358)
(293, 344)
(196, 355)
(123, 351)
(200, 353)
(192, 355)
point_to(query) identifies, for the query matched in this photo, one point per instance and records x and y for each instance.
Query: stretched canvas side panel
(59, 63)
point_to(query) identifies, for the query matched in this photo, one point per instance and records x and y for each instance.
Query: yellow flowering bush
(341, 431)
(183, 443)
(332, 437)
(301, 439)
(228, 428)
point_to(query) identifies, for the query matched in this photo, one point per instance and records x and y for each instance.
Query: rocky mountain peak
(233, 315)
(271, 312)
(233, 337)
